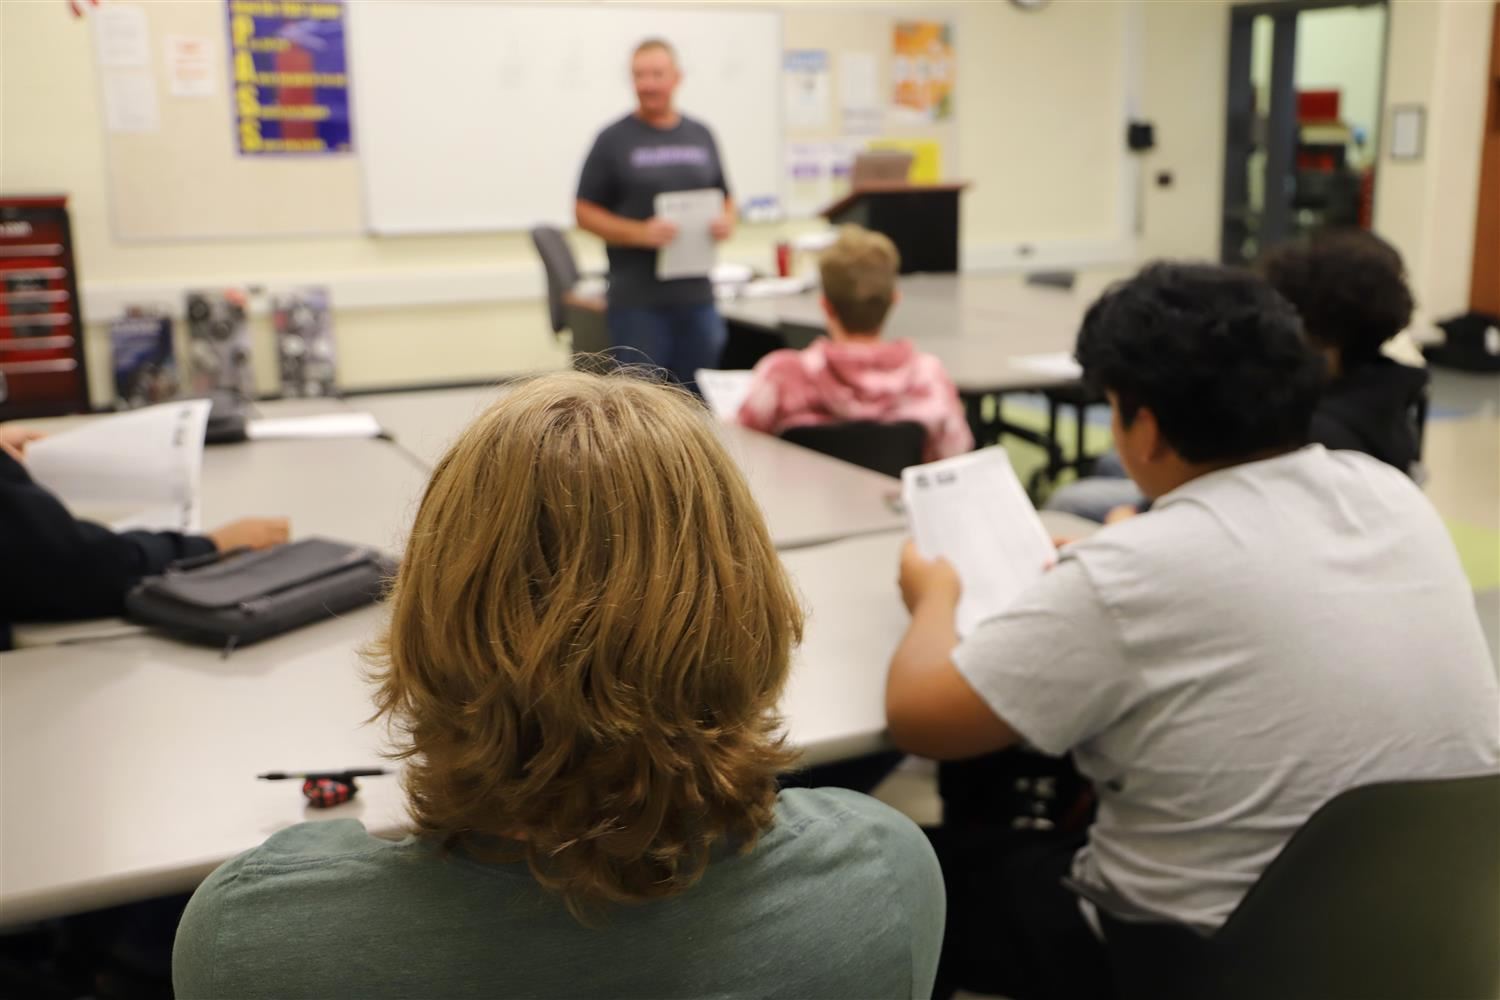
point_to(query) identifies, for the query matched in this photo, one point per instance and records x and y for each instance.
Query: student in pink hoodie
(853, 374)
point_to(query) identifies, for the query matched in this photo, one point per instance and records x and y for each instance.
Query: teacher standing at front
(653, 150)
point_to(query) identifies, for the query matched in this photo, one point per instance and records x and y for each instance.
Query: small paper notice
(972, 511)
(724, 392)
(130, 101)
(190, 70)
(134, 470)
(693, 252)
(859, 94)
(121, 38)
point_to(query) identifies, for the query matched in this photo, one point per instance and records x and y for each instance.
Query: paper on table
(691, 254)
(144, 466)
(972, 511)
(724, 392)
(1060, 364)
(327, 425)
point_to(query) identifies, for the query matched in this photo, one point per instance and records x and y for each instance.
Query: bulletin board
(173, 170)
(884, 89)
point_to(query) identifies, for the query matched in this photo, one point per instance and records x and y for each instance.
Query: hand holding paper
(692, 253)
(972, 511)
(134, 470)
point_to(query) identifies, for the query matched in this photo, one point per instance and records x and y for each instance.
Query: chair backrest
(886, 448)
(1389, 890)
(1053, 279)
(561, 270)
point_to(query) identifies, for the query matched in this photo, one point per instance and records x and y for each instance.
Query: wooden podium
(921, 219)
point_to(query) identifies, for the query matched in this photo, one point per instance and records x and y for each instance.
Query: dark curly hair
(1349, 286)
(1216, 355)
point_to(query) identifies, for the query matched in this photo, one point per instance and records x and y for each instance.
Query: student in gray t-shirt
(1286, 623)
(588, 636)
(653, 150)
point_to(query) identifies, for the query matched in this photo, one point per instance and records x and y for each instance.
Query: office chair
(560, 268)
(1390, 890)
(886, 448)
(590, 338)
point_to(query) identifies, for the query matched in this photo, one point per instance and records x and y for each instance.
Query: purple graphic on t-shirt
(668, 156)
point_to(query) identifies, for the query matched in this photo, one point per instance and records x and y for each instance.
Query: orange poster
(923, 69)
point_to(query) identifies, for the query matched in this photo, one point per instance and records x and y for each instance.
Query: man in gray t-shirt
(651, 151)
(1285, 624)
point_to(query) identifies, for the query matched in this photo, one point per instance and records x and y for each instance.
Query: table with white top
(987, 329)
(807, 497)
(129, 766)
(994, 334)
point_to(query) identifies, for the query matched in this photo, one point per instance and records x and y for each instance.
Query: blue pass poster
(289, 76)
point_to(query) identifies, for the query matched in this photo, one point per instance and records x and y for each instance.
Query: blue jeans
(1094, 497)
(678, 339)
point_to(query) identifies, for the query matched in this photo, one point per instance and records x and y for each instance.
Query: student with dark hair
(1349, 287)
(57, 567)
(1219, 667)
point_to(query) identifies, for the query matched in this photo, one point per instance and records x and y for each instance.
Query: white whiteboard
(478, 116)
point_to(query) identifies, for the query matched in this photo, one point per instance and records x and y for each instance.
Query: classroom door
(1303, 120)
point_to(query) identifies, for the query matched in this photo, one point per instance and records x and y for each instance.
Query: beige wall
(1185, 76)
(463, 307)
(1438, 55)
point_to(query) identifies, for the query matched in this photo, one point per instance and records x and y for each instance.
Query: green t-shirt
(841, 898)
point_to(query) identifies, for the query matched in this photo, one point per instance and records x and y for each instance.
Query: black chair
(886, 448)
(1388, 891)
(560, 268)
(590, 337)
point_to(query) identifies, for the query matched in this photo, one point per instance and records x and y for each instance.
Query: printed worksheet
(693, 253)
(135, 470)
(972, 511)
(723, 391)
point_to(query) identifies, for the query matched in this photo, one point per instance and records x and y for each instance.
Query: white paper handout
(692, 253)
(136, 470)
(972, 511)
(724, 391)
(1060, 364)
(324, 425)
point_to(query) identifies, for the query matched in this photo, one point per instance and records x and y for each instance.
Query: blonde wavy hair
(588, 636)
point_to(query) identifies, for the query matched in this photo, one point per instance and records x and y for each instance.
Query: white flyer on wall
(807, 88)
(130, 101)
(860, 108)
(190, 69)
(122, 39)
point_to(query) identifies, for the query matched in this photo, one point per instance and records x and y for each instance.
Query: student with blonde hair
(854, 374)
(588, 637)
